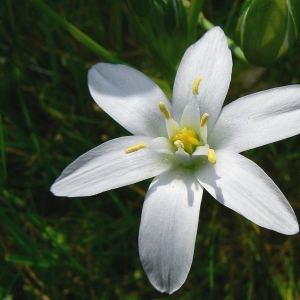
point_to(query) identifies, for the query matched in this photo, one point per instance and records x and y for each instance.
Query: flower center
(189, 139)
(190, 144)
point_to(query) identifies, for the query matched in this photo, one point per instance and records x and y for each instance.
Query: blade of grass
(29, 261)
(3, 156)
(51, 50)
(57, 243)
(17, 232)
(126, 212)
(230, 17)
(211, 265)
(76, 33)
(250, 284)
(194, 10)
(28, 122)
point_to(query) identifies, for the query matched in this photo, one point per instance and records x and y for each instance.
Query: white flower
(188, 145)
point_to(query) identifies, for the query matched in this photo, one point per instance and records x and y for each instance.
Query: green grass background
(86, 248)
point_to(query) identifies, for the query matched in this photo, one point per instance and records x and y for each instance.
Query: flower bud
(267, 29)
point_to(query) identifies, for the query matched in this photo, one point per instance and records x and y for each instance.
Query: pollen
(204, 120)
(211, 156)
(186, 139)
(196, 85)
(135, 148)
(163, 108)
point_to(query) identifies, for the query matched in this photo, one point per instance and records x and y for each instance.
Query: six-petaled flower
(188, 145)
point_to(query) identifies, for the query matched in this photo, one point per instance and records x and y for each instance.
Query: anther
(135, 148)
(163, 108)
(196, 85)
(211, 156)
(204, 120)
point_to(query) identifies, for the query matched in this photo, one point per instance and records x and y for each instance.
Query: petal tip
(166, 287)
(293, 229)
(56, 191)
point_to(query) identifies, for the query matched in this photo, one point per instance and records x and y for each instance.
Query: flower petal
(258, 119)
(129, 97)
(183, 157)
(172, 127)
(168, 228)
(107, 167)
(162, 145)
(243, 186)
(191, 116)
(200, 151)
(208, 59)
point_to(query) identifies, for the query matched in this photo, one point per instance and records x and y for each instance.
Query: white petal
(258, 119)
(191, 116)
(199, 157)
(200, 151)
(108, 167)
(172, 127)
(211, 60)
(129, 97)
(183, 157)
(162, 145)
(168, 229)
(243, 186)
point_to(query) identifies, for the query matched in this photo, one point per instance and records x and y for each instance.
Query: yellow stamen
(164, 110)
(196, 85)
(135, 148)
(204, 120)
(188, 138)
(211, 156)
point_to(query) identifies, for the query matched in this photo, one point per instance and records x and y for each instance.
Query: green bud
(267, 29)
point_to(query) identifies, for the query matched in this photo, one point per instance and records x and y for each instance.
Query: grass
(86, 248)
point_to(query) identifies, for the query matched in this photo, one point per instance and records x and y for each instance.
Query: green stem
(76, 33)
(204, 23)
